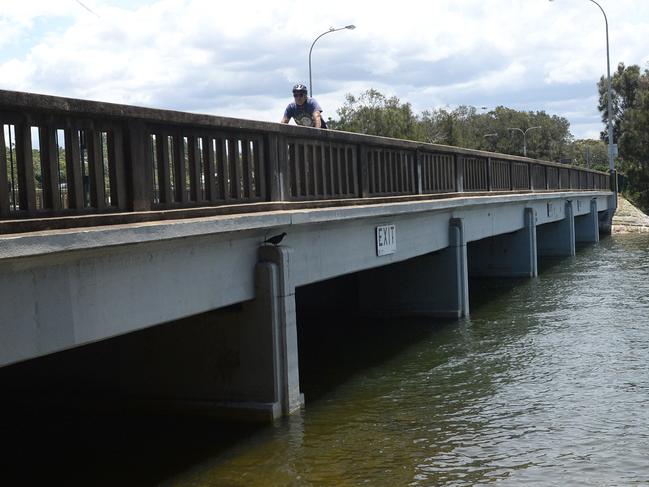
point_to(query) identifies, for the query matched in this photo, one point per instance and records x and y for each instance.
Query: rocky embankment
(628, 219)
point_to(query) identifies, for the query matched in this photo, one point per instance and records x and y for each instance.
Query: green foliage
(589, 153)
(634, 140)
(12, 172)
(625, 83)
(630, 98)
(375, 114)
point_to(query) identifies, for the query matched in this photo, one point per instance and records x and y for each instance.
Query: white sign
(386, 240)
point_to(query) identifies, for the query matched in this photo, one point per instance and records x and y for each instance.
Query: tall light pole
(611, 156)
(524, 132)
(331, 29)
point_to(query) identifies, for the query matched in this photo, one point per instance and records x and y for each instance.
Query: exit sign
(386, 240)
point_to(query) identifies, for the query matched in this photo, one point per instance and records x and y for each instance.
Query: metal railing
(67, 162)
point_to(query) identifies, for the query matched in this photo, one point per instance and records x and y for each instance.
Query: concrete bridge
(117, 219)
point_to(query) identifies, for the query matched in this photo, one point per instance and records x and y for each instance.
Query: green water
(547, 383)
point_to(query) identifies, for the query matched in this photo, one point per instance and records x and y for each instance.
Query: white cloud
(240, 58)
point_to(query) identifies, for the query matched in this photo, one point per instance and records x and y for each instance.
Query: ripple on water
(547, 385)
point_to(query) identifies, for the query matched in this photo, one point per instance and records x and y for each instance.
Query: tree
(630, 98)
(589, 153)
(446, 127)
(374, 114)
(634, 147)
(624, 87)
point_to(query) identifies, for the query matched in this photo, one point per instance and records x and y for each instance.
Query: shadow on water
(549, 264)
(68, 447)
(335, 342)
(485, 290)
(335, 347)
(331, 349)
(66, 437)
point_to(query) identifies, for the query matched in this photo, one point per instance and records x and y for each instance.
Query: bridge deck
(176, 224)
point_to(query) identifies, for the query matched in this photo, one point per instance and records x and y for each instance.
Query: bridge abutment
(557, 239)
(510, 255)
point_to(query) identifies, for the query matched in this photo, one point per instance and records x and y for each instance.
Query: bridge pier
(271, 348)
(434, 284)
(256, 375)
(587, 226)
(557, 239)
(510, 255)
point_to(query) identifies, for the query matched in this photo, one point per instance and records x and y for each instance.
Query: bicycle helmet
(300, 88)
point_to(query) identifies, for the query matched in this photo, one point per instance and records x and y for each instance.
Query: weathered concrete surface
(64, 289)
(629, 219)
(61, 289)
(557, 239)
(509, 255)
(587, 226)
(434, 284)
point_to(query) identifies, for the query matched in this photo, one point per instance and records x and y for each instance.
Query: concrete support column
(434, 284)
(606, 216)
(458, 270)
(277, 302)
(510, 255)
(557, 239)
(587, 226)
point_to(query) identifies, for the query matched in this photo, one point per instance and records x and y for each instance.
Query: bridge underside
(236, 346)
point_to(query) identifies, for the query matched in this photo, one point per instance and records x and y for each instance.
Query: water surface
(547, 383)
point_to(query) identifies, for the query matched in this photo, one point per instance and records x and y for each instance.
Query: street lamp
(524, 136)
(611, 157)
(331, 29)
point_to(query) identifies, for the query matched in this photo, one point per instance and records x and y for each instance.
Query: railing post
(418, 181)
(138, 166)
(73, 171)
(511, 175)
(489, 175)
(530, 180)
(363, 164)
(4, 179)
(49, 168)
(96, 170)
(115, 151)
(25, 166)
(459, 173)
(276, 170)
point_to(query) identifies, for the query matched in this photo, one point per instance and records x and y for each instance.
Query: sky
(241, 59)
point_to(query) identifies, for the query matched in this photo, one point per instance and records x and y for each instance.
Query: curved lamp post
(524, 136)
(611, 158)
(331, 29)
